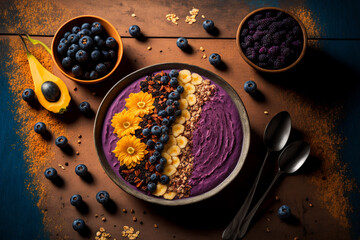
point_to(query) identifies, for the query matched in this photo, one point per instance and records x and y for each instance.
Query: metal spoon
(276, 134)
(290, 160)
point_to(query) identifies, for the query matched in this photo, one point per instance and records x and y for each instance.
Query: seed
(149, 48)
(311, 205)
(133, 15)
(79, 141)
(77, 153)
(103, 219)
(124, 210)
(266, 112)
(134, 219)
(155, 226)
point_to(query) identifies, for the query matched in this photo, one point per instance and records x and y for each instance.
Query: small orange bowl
(250, 62)
(78, 21)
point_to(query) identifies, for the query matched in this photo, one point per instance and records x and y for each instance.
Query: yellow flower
(140, 103)
(130, 151)
(125, 123)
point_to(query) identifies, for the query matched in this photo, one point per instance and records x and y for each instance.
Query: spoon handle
(231, 231)
(244, 227)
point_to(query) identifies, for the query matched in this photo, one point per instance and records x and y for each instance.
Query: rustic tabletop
(321, 94)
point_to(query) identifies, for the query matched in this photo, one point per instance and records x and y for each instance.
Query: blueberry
(87, 75)
(72, 50)
(182, 43)
(164, 179)
(73, 38)
(94, 75)
(208, 25)
(177, 113)
(151, 187)
(86, 42)
(164, 79)
(174, 95)
(157, 154)
(169, 110)
(84, 32)
(81, 56)
(64, 41)
(159, 167)
(174, 73)
(101, 43)
(146, 132)
(180, 89)
(284, 212)
(250, 86)
(97, 38)
(96, 28)
(76, 200)
(150, 143)
(28, 95)
(84, 107)
(86, 26)
(81, 170)
(134, 31)
(162, 161)
(95, 55)
(78, 225)
(174, 82)
(101, 68)
(50, 173)
(169, 102)
(164, 138)
(215, 59)
(165, 122)
(154, 177)
(40, 128)
(152, 159)
(156, 130)
(162, 113)
(112, 54)
(103, 197)
(164, 129)
(75, 29)
(176, 104)
(172, 119)
(110, 42)
(61, 142)
(159, 146)
(67, 34)
(105, 54)
(61, 49)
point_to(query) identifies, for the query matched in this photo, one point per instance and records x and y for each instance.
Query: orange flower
(125, 123)
(130, 151)
(140, 103)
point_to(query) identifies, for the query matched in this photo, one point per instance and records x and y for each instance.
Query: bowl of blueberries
(271, 40)
(87, 49)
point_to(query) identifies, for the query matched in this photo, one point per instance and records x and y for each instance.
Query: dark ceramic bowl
(251, 63)
(78, 21)
(118, 87)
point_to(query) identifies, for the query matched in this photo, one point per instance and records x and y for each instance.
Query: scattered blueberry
(154, 177)
(159, 146)
(81, 56)
(146, 132)
(134, 31)
(156, 130)
(86, 26)
(208, 25)
(50, 173)
(81, 170)
(103, 197)
(76, 70)
(284, 212)
(28, 95)
(76, 200)
(151, 187)
(110, 42)
(164, 79)
(164, 179)
(250, 86)
(164, 138)
(78, 225)
(40, 128)
(180, 89)
(215, 59)
(159, 167)
(84, 107)
(182, 43)
(61, 142)
(174, 73)
(96, 28)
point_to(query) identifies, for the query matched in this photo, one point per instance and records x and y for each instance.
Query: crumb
(311, 205)
(75, 88)
(103, 219)
(192, 18)
(204, 56)
(79, 141)
(66, 164)
(266, 112)
(124, 210)
(96, 215)
(268, 219)
(155, 226)
(63, 168)
(171, 17)
(133, 15)
(202, 16)
(93, 93)
(161, 51)
(141, 222)
(130, 233)
(202, 49)
(134, 219)
(149, 48)
(79, 136)
(102, 229)
(296, 238)
(77, 153)
(268, 229)
(132, 211)
(277, 198)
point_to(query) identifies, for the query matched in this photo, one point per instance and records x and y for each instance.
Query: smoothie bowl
(172, 134)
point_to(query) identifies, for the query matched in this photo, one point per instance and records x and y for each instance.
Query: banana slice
(169, 170)
(184, 76)
(189, 88)
(167, 157)
(186, 114)
(172, 141)
(180, 120)
(183, 104)
(175, 161)
(181, 141)
(196, 79)
(174, 150)
(169, 195)
(191, 99)
(177, 129)
(160, 190)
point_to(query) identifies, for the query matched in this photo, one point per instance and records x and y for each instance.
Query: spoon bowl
(293, 156)
(277, 131)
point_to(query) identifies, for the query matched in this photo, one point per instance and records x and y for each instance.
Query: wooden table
(321, 95)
